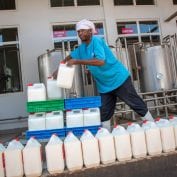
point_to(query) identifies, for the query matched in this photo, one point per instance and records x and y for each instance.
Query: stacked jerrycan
(53, 91)
(138, 141)
(91, 116)
(122, 143)
(73, 152)
(36, 121)
(13, 159)
(90, 149)
(32, 158)
(153, 139)
(36, 92)
(167, 134)
(106, 146)
(54, 120)
(74, 118)
(55, 155)
(173, 121)
(2, 165)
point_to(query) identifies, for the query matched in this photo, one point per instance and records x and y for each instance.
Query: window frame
(16, 7)
(139, 34)
(75, 5)
(135, 4)
(20, 59)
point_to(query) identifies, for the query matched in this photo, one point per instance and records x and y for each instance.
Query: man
(112, 78)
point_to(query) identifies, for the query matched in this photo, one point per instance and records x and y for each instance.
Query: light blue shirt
(109, 76)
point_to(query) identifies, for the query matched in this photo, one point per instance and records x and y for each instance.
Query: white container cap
(54, 139)
(134, 127)
(86, 135)
(119, 130)
(149, 125)
(70, 137)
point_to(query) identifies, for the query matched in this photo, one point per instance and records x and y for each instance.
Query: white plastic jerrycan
(74, 118)
(55, 155)
(73, 152)
(153, 139)
(138, 141)
(91, 116)
(90, 149)
(36, 92)
(173, 121)
(167, 134)
(122, 143)
(54, 120)
(53, 91)
(36, 121)
(32, 158)
(65, 75)
(13, 159)
(106, 146)
(2, 160)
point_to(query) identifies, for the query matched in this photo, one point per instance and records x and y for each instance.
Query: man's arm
(93, 62)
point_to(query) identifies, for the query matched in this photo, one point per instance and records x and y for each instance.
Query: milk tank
(155, 68)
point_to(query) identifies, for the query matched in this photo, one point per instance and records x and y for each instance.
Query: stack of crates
(45, 106)
(82, 103)
(64, 105)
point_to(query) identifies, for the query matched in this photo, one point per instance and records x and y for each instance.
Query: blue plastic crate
(78, 131)
(82, 102)
(45, 134)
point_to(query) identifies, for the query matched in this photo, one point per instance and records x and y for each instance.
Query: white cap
(85, 24)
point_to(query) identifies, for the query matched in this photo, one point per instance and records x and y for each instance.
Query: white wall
(34, 19)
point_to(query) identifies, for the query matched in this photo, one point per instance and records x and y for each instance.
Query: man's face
(84, 34)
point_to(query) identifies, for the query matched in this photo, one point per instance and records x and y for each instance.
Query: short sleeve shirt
(109, 76)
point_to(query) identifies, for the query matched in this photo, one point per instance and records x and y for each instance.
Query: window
(62, 3)
(7, 5)
(149, 27)
(139, 28)
(10, 67)
(145, 2)
(88, 2)
(123, 2)
(147, 39)
(127, 28)
(174, 1)
(134, 2)
(65, 36)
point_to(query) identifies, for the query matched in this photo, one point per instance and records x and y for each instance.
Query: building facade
(29, 28)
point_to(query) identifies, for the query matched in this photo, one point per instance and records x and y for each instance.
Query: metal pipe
(136, 64)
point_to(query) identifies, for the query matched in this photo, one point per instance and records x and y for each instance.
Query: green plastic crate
(45, 106)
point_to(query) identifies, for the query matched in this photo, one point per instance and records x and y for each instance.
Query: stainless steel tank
(155, 69)
(49, 62)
